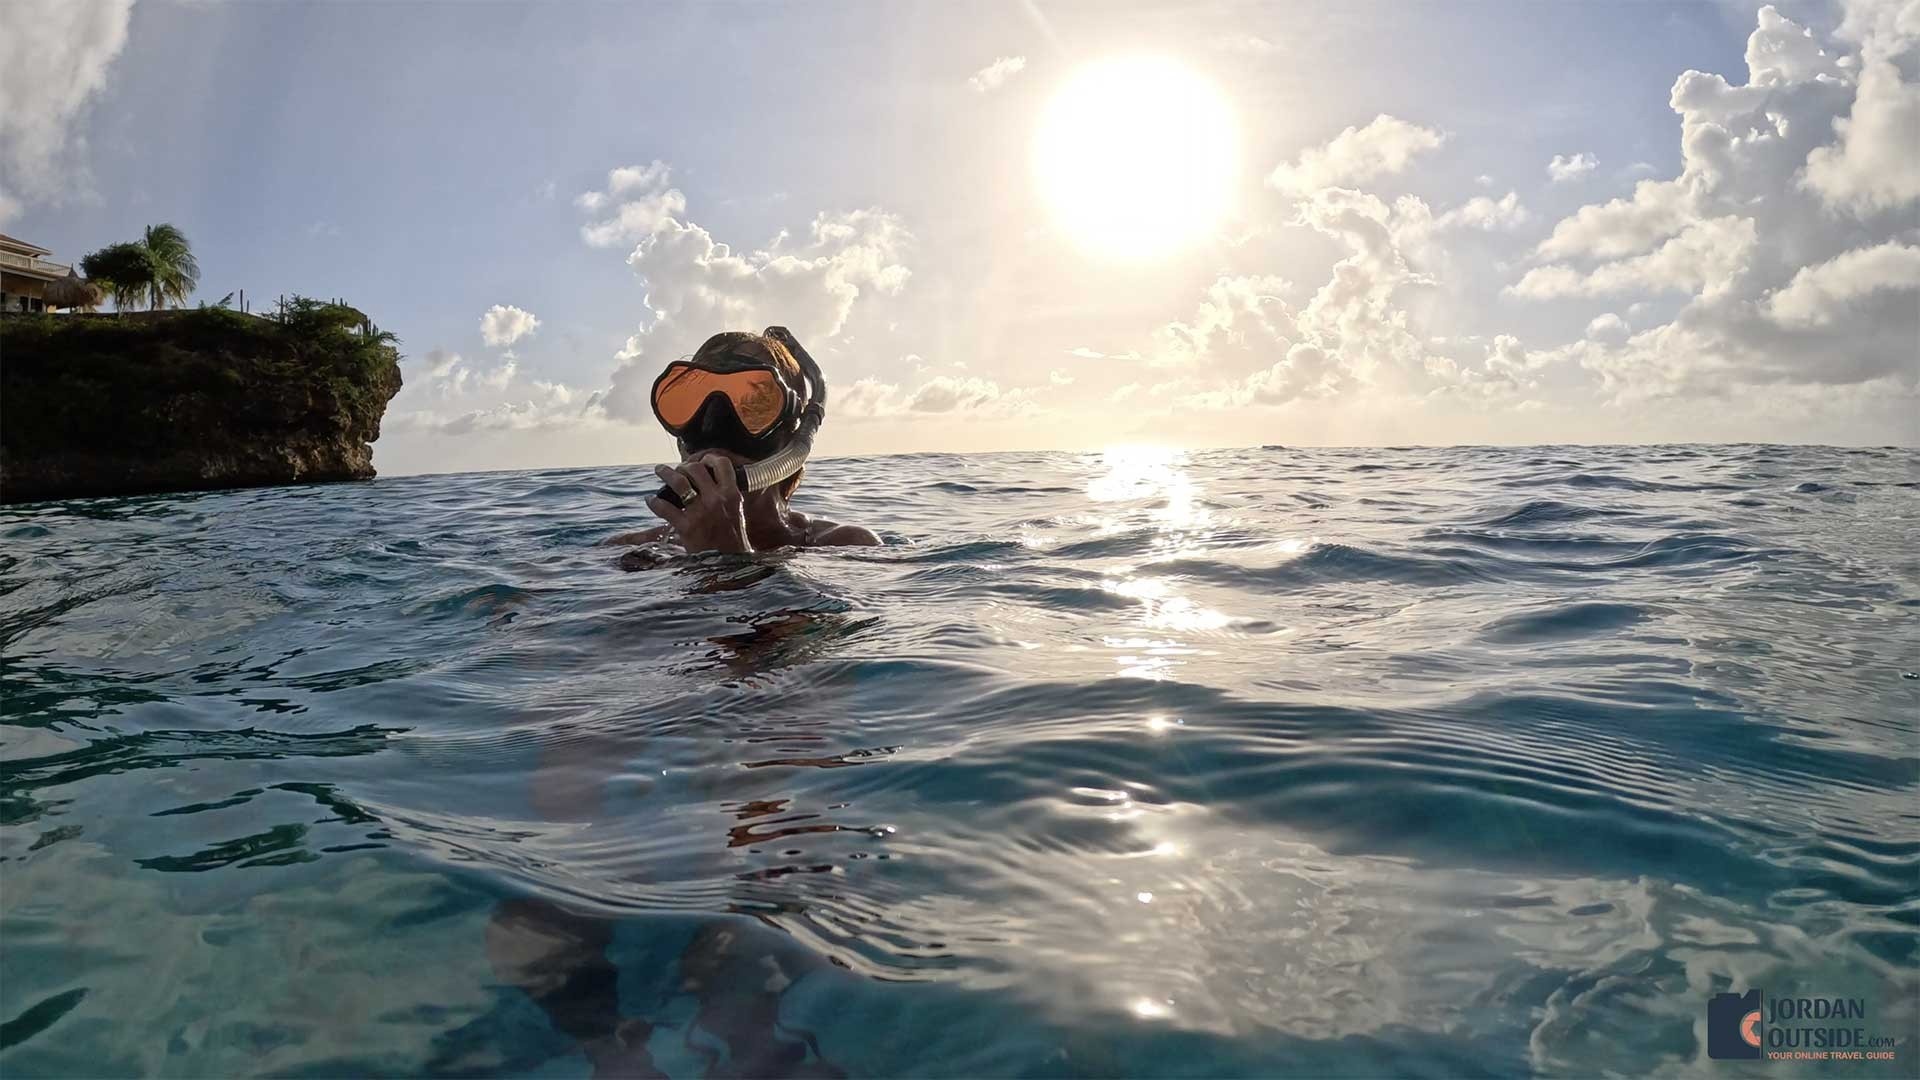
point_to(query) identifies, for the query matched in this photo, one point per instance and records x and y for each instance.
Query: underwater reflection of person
(743, 410)
(734, 977)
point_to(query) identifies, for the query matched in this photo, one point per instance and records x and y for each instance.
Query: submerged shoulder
(823, 533)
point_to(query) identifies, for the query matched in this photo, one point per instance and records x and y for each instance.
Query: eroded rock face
(189, 400)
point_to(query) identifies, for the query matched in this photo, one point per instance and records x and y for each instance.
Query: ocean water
(1313, 762)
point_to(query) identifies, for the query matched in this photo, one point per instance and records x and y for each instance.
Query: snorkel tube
(769, 471)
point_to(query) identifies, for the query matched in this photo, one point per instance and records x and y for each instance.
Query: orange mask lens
(756, 395)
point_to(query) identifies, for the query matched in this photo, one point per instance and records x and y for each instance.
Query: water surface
(1447, 762)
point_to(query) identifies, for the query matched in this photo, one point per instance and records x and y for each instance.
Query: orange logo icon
(1750, 1028)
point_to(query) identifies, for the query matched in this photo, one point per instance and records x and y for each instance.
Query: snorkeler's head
(740, 393)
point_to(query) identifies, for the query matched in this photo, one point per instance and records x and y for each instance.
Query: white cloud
(499, 377)
(1059, 378)
(967, 395)
(1875, 164)
(944, 393)
(1415, 227)
(558, 393)
(995, 75)
(1481, 212)
(1657, 210)
(1788, 229)
(641, 201)
(442, 373)
(1818, 295)
(545, 411)
(1562, 169)
(1241, 321)
(1085, 353)
(638, 179)
(866, 398)
(54, 57)
(1705, 258)
(696, 286)
(1356, 155)
(1609, 328)
(504, 324)
(440, 363)
(1247, 346)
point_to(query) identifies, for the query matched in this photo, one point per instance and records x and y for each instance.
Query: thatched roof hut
(74, 291)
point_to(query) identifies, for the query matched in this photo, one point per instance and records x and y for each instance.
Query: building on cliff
(25, 274)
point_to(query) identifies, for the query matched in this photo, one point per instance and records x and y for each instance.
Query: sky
(1029, 225)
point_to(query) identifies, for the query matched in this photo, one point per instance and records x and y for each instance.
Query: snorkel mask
(745, 403)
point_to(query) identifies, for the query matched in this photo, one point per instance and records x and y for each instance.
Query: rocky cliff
(189, 400)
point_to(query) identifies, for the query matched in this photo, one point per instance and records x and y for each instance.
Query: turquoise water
(1413, 762)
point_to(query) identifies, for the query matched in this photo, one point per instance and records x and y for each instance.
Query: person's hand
(714, 516)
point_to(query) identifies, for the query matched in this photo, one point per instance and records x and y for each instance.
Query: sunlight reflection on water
(1109, 764)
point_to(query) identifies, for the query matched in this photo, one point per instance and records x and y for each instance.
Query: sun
(1137, 157)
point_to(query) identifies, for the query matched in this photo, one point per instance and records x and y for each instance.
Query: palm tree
(175, 271)
(123, 271)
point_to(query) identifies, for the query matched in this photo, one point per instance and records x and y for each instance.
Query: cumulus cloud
(447, 378)
(1657, 210)
(638, 200)
(1482, 212)
(1247, 345)
(1818, 295)
(696, 285)
(1705, 258)
(1357, 155)
(994, 75)
(499, 377)
(442, 373)
(504, 324)
(439, 363)
(1417, 229)
(966, 395)
(1788, 230)
(1873, 165)
(1609, 328)
(54, 58)
(1240, 320)
(1086, 353)
(1562, 168)
(548, 408)
(945, 393)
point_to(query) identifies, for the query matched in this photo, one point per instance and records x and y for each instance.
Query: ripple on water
(1314, 761)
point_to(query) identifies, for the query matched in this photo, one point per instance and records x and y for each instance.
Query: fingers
(666, 512)
(680, 483)
(713, 474)
(726, 479)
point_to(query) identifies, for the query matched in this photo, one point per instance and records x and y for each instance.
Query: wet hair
(729, 341)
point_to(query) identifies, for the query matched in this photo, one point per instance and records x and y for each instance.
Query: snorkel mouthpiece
(776, 467)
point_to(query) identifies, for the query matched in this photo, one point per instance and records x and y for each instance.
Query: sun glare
(1137, 157)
